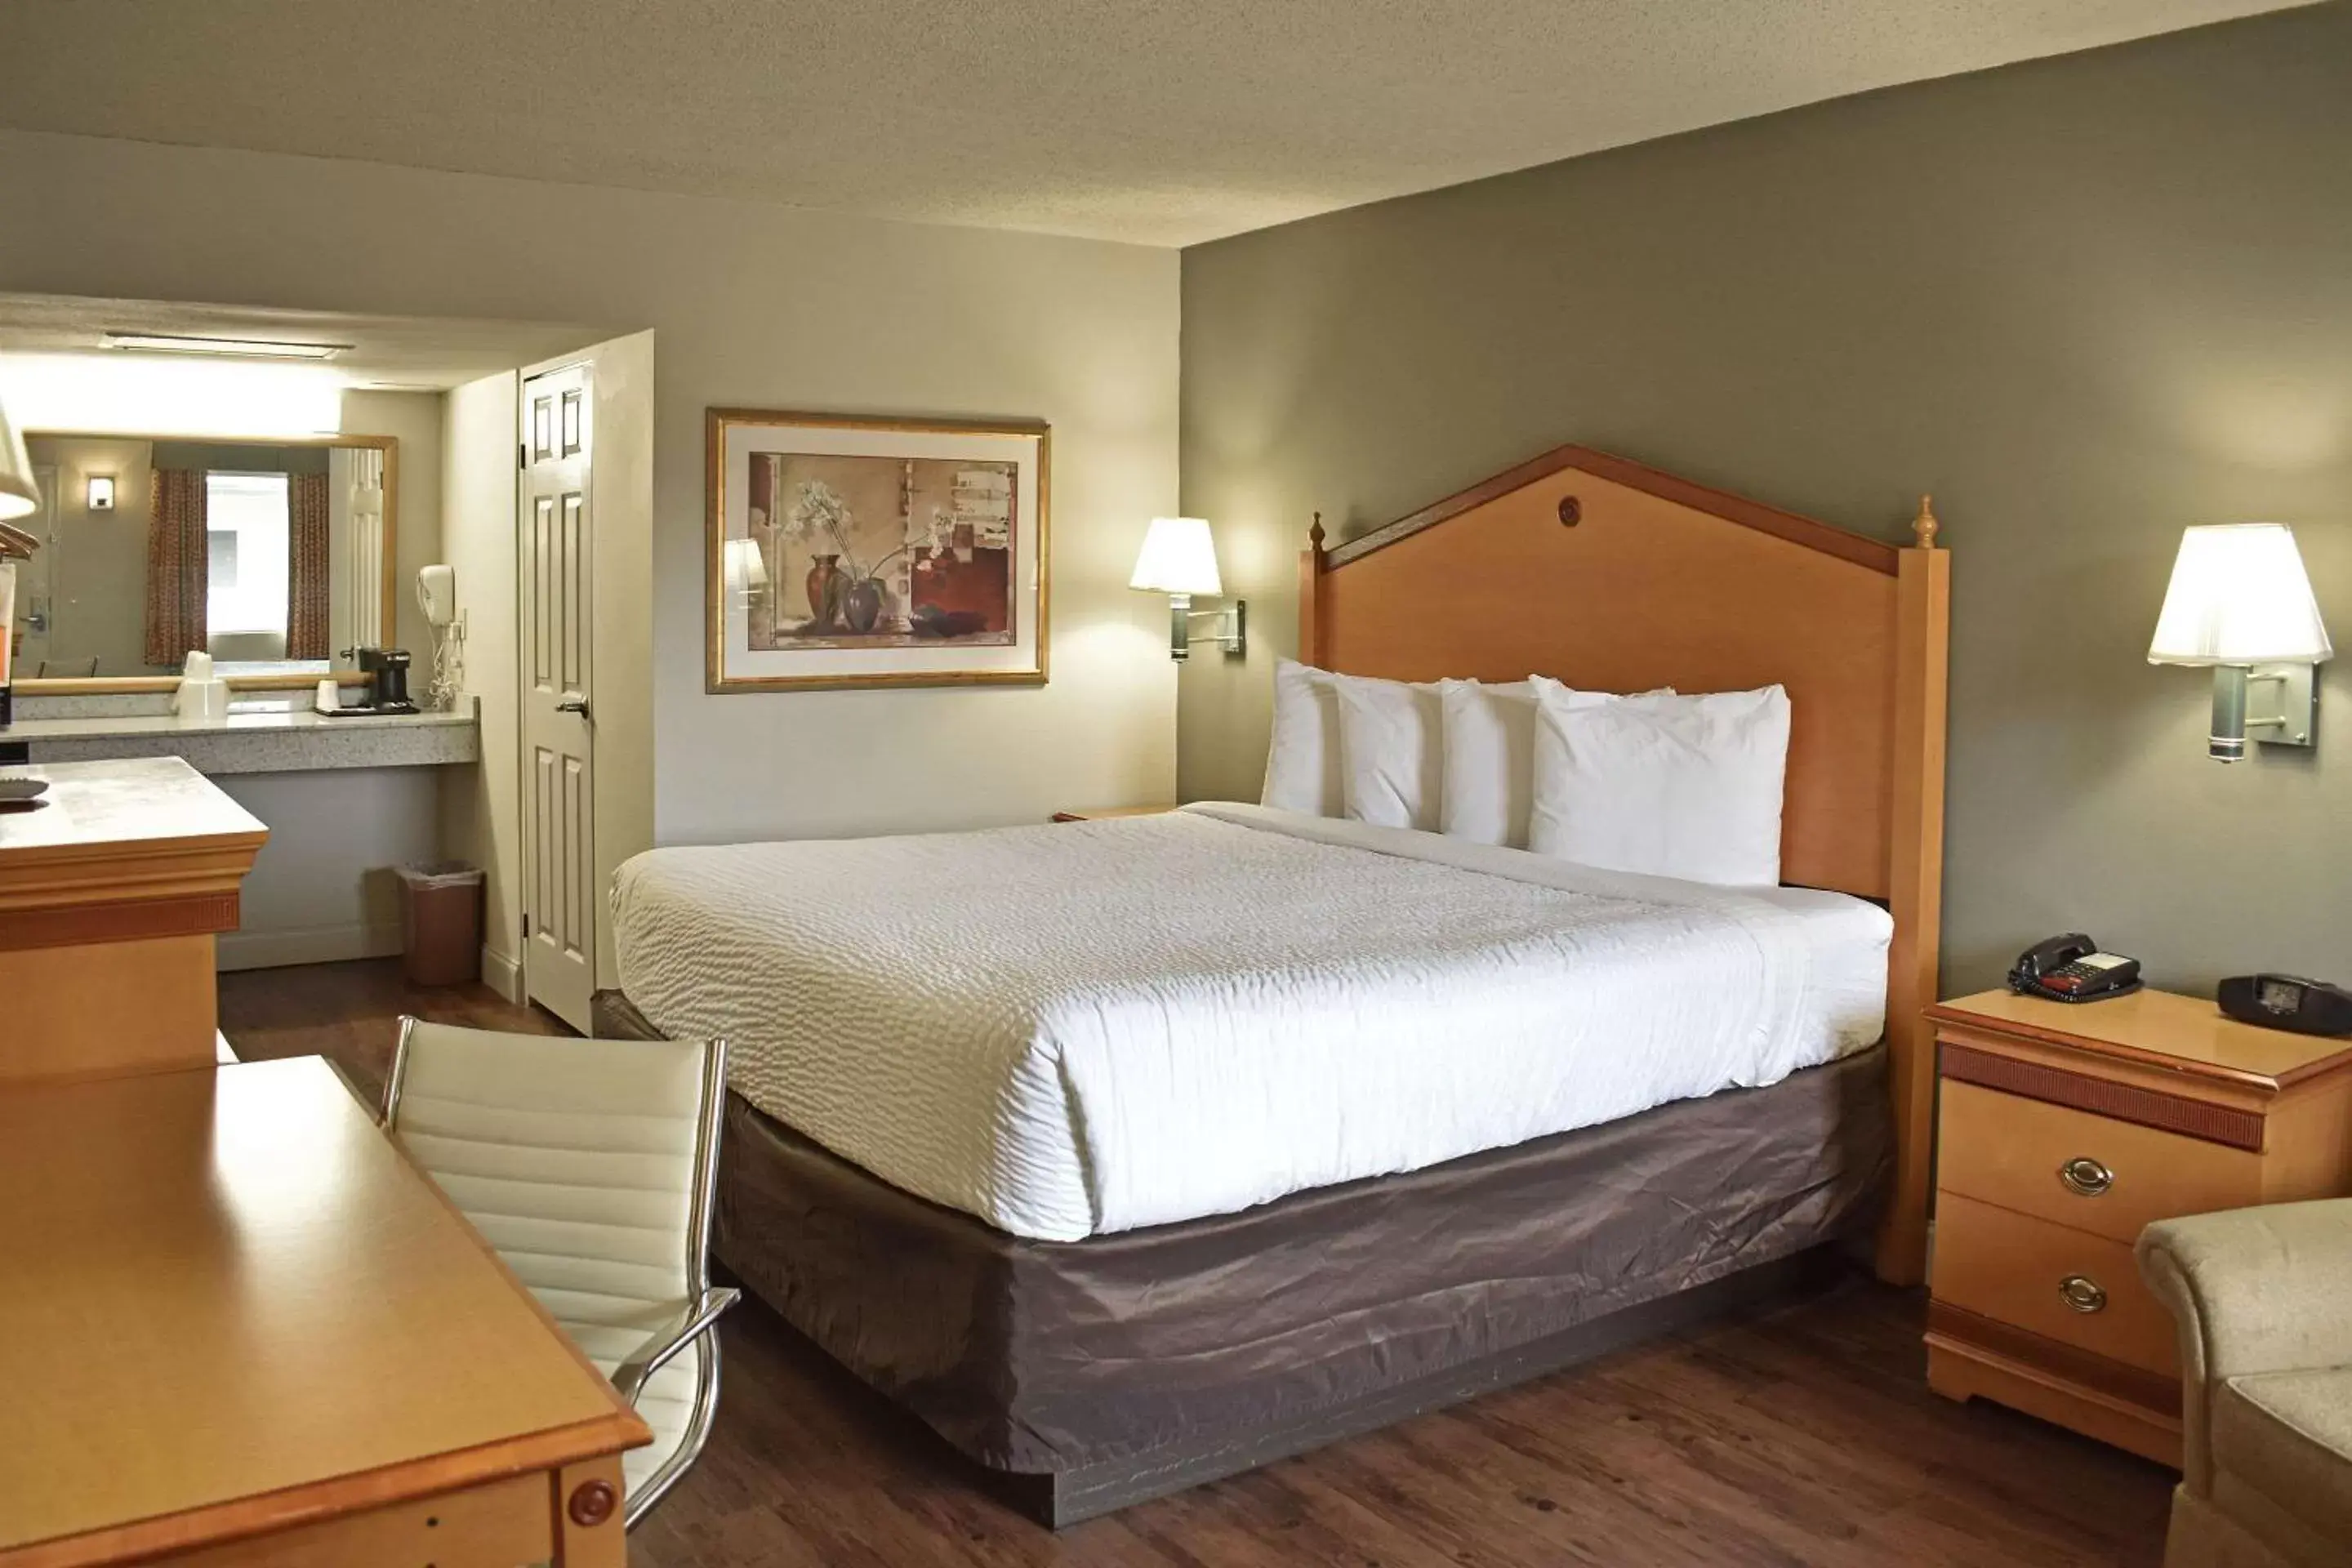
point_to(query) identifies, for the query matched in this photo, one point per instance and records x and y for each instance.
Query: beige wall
(2087, 302)
(482, 809)
(752, 306)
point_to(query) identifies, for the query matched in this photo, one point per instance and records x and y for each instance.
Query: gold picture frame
(849, 552)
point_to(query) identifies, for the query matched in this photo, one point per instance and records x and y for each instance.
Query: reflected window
(247, 551)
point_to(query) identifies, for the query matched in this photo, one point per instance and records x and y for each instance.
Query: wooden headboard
(1617, 577)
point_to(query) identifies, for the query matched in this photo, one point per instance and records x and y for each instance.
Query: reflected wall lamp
(1180, 560)
(746, 568)
(19, 496)
(2240, 604)
(101, 492)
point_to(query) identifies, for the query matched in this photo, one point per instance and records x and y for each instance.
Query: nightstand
(1104, 813)
(2065, 1129)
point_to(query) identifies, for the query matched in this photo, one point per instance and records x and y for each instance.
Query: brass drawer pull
(2082, 1293)
(2085, 1178)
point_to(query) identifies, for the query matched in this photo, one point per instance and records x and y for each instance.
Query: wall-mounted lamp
(101, 492)
(1180, 560)
(2240, 604)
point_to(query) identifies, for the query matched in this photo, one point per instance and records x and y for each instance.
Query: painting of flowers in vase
(874, 553)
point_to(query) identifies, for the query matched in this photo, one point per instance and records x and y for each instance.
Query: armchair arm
(694, 1315)
(2253, 1291)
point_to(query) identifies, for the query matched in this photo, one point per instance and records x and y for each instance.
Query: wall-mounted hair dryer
(436, 595)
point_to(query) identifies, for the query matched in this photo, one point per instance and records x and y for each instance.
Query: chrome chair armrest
(694, 1316)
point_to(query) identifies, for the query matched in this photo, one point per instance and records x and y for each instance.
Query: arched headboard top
(1614, 577)
(1860, 549)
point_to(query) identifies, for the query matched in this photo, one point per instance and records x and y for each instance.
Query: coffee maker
(386, 670)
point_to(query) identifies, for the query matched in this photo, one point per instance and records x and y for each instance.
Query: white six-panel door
(559, 891)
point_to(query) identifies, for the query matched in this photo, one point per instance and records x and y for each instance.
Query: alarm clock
(2284, 1002)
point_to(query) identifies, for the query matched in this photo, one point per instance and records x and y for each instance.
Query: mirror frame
(73, 686)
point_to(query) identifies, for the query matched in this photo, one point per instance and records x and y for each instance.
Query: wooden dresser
(2065, 1128)
(112, 889)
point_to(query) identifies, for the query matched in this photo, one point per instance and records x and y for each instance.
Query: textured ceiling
(1161, 121)
(399, 352)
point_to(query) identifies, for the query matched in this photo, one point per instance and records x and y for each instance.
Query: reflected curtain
(307, 569)
(178, 574)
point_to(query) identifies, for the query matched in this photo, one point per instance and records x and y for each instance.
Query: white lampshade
(1177, 558)
(19, 497)
(2239, 595)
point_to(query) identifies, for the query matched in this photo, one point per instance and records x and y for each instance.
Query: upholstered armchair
(2264, 1299)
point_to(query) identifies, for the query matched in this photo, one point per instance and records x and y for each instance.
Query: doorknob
(573, 705)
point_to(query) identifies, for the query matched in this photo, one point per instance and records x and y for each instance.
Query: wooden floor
(1808, 1437)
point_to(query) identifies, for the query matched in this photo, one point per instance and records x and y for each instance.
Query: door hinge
(526, 928)
(522, 456)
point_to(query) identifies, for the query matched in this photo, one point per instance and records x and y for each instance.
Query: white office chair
(589, 1166)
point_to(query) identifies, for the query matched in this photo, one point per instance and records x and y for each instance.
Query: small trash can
(441, 922)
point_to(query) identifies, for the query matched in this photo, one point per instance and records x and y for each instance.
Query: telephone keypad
(2080, 972)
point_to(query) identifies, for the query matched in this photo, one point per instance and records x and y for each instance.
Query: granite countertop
(262, 719)
(258, 736)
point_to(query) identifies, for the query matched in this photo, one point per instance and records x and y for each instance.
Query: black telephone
(2071, 968)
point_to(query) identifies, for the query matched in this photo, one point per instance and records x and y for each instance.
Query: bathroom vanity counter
(255, 739)
(347, 800)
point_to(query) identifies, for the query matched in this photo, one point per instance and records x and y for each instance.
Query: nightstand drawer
(2084, 1170)
(2066, 1285)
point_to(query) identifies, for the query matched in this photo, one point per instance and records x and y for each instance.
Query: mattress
(1071, 1030)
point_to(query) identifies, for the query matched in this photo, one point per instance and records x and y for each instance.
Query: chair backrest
(587, 1164)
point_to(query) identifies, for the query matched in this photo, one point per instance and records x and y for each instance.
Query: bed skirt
(1094, 1374)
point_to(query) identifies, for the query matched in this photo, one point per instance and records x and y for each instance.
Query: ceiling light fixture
(238, 348)
(186, 394)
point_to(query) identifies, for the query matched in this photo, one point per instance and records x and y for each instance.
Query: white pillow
(1488, 734)
(1391, 752)
(1302, 764)
(1489, 741)
(1669, 786)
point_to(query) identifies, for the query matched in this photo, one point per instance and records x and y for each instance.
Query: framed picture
(852, 552)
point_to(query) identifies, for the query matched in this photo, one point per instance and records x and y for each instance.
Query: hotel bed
(1133, 1152)
(1076, 1030)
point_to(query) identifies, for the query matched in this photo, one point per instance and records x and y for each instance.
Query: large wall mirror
(274, 556)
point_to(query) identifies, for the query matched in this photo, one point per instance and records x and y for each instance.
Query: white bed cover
(1087, 1027)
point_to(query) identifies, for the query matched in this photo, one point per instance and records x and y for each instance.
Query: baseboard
(306, 944)
(502, 973)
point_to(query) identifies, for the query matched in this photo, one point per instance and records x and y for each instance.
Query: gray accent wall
(2086, 301)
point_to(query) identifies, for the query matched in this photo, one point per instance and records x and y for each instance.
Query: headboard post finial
(1315, 534)
(1924, 526)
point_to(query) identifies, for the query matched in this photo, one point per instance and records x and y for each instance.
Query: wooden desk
(112, 889)
(246, 1330)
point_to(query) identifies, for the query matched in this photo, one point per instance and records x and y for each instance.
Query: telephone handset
(2071, 968)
